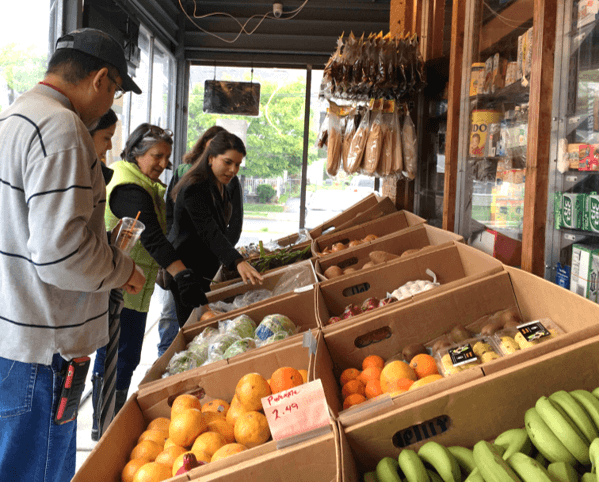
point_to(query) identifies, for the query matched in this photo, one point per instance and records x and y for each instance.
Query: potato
(370, 264)
(354, 243)
(333, 272)
(370, 237)
(338, 247)
(379, 257)
(409, 252)
(349, 270)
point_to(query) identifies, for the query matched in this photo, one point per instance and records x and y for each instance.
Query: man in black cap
(56, 266)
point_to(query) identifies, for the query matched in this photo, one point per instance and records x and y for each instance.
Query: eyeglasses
(119, 91)
(154, 132)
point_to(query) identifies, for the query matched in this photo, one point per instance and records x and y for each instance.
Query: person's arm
(169, 203)
(236, 222)
(128, 200)
(66, 198)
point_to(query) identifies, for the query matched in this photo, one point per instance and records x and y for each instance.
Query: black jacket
(199, 230)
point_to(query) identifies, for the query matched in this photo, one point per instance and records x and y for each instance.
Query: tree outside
(21, 67)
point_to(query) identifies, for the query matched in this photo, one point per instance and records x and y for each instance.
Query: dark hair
(222, 142)
(107, 120)
(74, 66)
(142, 139)
(197, 149)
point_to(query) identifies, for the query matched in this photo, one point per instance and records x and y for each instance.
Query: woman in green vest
(136, 187)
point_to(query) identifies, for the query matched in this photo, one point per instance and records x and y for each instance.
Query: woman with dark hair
(136, 188)
(203, 209)
(102, 137)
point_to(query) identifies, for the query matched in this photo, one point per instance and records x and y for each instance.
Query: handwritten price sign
(297, 410)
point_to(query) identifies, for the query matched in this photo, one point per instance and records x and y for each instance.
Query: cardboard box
(379, 210)
(332, 224)
(452, 264)
(418, 237)
(584, 278)
(478, 410)
(303, 272)
(388, 225)
(427, 319)
(301, 308)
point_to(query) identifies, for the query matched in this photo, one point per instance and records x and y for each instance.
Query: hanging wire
(510, 22)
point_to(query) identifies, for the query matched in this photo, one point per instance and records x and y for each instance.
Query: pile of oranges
(210, 431)
(394, 378)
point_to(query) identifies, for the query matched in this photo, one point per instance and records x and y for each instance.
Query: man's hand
(136, 281)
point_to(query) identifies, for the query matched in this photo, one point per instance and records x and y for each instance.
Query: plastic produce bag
(296, 276)
(251, 297)
(374, 143)
(240, 346)
(281, 335)
(408, 141)
(219, 345)
(348, 135)
(242, 326)
(412, 288)
(272, 324)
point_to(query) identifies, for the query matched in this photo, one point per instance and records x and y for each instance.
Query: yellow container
(477, 78)
(481, 119)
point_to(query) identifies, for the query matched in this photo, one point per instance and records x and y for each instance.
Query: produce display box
(299, 307)
(386, 226)
(478, 410)
(228, 293)
(417, 237)
(383, 208)
(106, 461)
(345, 216)
(427, 319)
(453, 264)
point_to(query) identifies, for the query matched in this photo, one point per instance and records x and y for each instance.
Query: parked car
(362, 184)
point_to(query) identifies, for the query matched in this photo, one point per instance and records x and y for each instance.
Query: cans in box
(526, 335)
(466, 354)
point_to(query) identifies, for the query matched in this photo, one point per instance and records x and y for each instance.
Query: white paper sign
(297, 410)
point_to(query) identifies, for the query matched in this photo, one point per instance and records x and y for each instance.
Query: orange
(373, 389)
(353, 386)
(186, 426)
(426, 381)
(399, 385)
(396, 369)
(217, 405)
(424, 365)
(285, 378)
(160, 423)
(227, 451)
(223, 427)
(251, 389)
(157, 436)
(251, 429)
(370, 373)
(169, 443)
(234, 411)
(209, 416)
(146, 449)
(373, 361)
(169, 455)
(184, 402)
(132, 466)
(209, 442)
(349, 374)
(353, 399)
(304, 374)
(201, 458)
(152, 472)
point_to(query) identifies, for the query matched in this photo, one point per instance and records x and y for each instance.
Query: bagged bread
(374, 143)
(408, 141)
(334, 144)
(358, 144)
(385, 166)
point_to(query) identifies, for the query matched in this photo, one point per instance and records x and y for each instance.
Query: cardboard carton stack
(476, 403)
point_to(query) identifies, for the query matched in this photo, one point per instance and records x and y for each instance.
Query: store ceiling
(308, 38)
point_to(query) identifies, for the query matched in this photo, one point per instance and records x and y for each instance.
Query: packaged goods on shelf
(584, 279)
(467, 354)
(477, 78)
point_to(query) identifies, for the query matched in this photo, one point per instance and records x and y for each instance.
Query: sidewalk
(149, 354)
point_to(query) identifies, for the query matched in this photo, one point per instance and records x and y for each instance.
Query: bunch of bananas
(560, 443)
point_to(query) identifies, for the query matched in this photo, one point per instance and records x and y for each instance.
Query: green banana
(588, 477)
(589, 403)
(412, 467)
(514, 440)
(594, 456)
(564, 429)
(386, 470)
(540, 458)
(596, 392)
(576, 413)
(491, 465)
(464, 457)
(434, 476)
(475, 476)
(370, 477)
(528, 469)
(548, 445)
(441, 460)
(562, 472)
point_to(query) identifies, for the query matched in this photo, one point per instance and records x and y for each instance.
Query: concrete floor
(149, 355)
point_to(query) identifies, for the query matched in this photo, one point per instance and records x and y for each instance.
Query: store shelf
(575, 121)
(577, 233)
(579, 35)
(515, 92)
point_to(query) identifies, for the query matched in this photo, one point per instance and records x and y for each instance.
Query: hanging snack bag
(350, 129)
(323, 133)
(385, 165)
(334, 142)
(408, 141)
(374, 143)
(358, 144)
(397, 150)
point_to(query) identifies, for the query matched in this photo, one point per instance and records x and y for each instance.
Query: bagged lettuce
(273, 324)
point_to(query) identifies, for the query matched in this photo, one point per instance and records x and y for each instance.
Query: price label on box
(297, 410)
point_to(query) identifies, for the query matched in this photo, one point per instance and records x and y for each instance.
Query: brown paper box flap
(346, 215)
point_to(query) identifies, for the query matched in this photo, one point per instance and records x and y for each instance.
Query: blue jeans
(32, 446)
(133, 329)
(168, 326)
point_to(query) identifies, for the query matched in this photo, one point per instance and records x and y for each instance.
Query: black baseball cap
(99, 44)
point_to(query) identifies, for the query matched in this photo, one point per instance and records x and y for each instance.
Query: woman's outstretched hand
(248, 273)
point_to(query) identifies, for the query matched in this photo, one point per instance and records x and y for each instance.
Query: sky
(28, 25)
